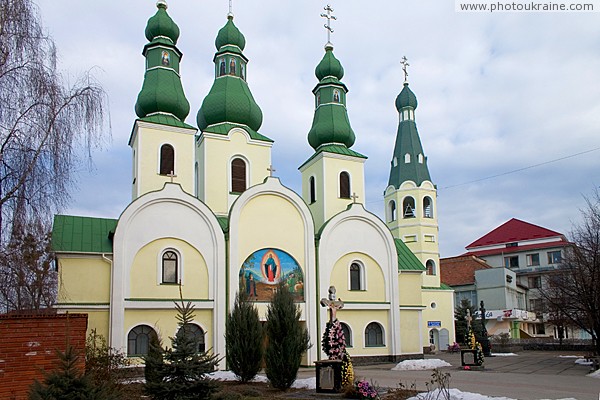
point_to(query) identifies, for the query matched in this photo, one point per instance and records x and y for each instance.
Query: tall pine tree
(244, 339)
(182, 374)
(287, 339)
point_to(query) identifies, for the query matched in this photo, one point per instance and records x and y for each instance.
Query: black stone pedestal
(329, 376)
(468, 358)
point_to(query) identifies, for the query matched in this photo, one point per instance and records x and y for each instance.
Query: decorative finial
(354, 197)
(230, 14)
(328, 24)
(271, 169)
(162, 4)
(405, 64)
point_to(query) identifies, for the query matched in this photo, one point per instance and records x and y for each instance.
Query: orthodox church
(208, 219)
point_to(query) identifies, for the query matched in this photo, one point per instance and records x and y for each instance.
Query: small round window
(433, 305)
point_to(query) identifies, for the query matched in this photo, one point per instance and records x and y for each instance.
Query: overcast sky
(497, 93)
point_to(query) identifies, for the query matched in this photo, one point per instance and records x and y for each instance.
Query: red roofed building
(532, 252)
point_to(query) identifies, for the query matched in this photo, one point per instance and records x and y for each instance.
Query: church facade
(208, 219)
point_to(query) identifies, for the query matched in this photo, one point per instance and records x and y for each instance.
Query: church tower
(162, 143)
(410, 198)
(231, 155)
(334, 175)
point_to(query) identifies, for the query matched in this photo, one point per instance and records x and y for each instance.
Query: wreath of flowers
(334, 342)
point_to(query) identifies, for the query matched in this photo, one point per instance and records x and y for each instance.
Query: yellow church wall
(374, 280)
(98, 320)
(409, 289)
(165, 324)
(270, 221)
(443, 311)
(358, 320)
(317, 210)
(147, 145)
(332, 169)
(410, 341)
(216, 153)
(75, 285)
(146, 267)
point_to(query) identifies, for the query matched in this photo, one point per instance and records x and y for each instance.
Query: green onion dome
(229, 100)
(331, 125)
(406, 98)
(230, 35)
(329, 66)
(161, 24)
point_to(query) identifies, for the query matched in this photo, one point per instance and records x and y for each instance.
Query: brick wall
(28, 346)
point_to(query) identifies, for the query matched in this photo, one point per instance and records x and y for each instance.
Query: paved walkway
(528, 376)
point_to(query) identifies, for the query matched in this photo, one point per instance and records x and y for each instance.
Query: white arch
(189, 220)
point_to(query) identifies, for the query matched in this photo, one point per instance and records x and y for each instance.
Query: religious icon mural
(263, 272)
(232, 66)
(243, 71)
(336, 95)
(221, 67)
(165, 58)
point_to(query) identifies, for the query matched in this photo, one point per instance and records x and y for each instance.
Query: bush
(244, 339)
(66, 382)
(287, 340)
(104, 366)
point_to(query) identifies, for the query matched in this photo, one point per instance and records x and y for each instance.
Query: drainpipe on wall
(110, 262)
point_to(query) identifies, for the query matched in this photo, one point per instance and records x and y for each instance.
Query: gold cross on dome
(328, 24)
(405, 64)
(271, 170)
(230, 8)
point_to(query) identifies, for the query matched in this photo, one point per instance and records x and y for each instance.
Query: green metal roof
(408, 142)
(82, 234)
(162, 90)
(442, 286)
(225, 127)
(335, 149)
(163, 119)
(407, 261)
(224, 222)
(230, 35)
(329, 66)
(162, 25)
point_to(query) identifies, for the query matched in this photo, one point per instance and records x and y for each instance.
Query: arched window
(408, 207)
(344, 185)
(430, 265)
(312, 189)
(392, 210)
(373, 335)
(355, 277)
(138, 340)
(347, 334)
(238, 175)
(406, 158)
(167, 159)
(420, 158)
(427, 207)
(198, 334)
(169, 267)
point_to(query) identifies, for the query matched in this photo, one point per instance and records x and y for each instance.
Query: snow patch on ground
(504, 354)
(307, 383)
(456, 394)
(595, 374)
(570, 356)
(420, 364)
(582, 361)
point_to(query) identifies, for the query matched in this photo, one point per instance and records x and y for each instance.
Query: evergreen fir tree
(68, 383)
(154, 360)
(182, 374)
(244, 339)
(460, 322)
(287, 339)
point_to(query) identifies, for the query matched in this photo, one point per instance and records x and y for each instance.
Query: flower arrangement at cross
(347, 370)
(366, 390)
(475, 345)
(334, 342)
